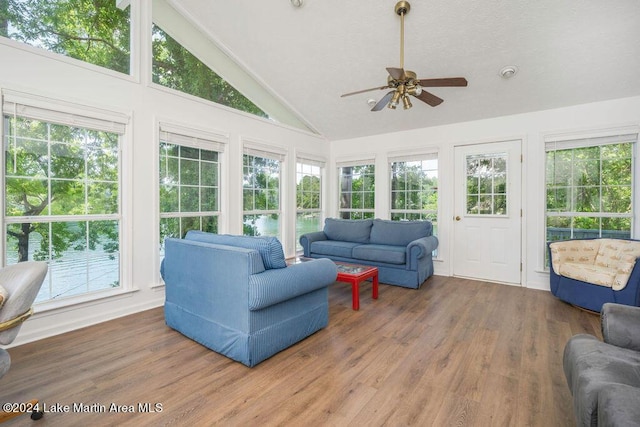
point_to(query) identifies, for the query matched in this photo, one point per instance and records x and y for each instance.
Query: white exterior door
(487, 216)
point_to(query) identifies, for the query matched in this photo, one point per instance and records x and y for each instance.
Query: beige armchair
(19, 286)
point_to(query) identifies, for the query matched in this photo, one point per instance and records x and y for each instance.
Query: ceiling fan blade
(384, 101)
(446, 82)
(396, 73)
(429, 98)
(363, 91)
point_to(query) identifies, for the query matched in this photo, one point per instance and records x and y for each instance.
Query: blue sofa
(236, 295)
(591, 272)
(400, 249)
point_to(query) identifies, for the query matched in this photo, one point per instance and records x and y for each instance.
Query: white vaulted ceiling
(567, 51)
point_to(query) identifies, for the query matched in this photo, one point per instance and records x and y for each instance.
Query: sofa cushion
(577, 251)
(594, 274)
(348, 230)
(269, 248)
(333, 248)
(398, 233)
(380, 253)
(620, 255)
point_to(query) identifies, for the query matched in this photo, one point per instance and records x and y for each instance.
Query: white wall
(530, 128)
(29, 70)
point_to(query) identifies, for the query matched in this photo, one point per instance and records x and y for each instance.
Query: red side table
(354, 274)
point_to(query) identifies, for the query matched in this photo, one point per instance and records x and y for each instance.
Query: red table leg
(355, 294)
(375, 286)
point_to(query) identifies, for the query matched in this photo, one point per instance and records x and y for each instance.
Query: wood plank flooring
(455, 352)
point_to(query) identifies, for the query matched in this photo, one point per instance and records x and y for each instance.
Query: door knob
(457, 218)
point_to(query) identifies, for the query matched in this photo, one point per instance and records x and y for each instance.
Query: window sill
(87, 299)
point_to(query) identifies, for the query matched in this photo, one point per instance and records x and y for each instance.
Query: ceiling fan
(404, 82)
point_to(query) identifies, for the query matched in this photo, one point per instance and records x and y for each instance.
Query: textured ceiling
(568, 52)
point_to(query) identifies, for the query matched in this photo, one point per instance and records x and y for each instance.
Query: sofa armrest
(419, 248)
(621, 325)
(282, 284)
(307, 239)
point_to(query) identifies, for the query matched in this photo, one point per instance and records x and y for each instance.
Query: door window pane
(486, 190)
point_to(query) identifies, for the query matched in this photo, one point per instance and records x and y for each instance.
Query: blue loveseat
(236, 295)
(400, 249)
(591, 272)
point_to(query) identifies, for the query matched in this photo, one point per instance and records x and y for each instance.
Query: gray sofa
(604, 377)
(400, 249)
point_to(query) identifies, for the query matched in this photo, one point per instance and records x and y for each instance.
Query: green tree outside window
(93, 31)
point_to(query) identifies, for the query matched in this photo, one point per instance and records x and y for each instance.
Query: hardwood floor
(455, 352)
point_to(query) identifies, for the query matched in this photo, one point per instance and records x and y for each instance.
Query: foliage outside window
(93, 31)
(189, 190)
(261, 196)
(62, 204)
(177, 68)
(414, 190)
(486, 190)
(308, 199)
(357, 191)
(589, 191)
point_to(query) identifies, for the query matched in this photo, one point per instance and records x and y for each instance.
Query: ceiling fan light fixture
(415, 89)
(394, 100)
(406, 102)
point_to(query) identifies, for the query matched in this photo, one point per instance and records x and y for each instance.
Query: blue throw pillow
(348, 230)
(398, 233)
(269, 248)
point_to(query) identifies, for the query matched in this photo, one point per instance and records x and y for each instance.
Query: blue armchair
(236, 296)
(591, 272)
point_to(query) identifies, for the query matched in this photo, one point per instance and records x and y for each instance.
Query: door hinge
(520, 267)
(520, 213)
(521, 158)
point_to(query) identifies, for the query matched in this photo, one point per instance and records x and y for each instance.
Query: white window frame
(135, 40)
(366, 212)
(320, 163)
(406, 159)
(564, 142)
(255, 149)
(185, 136)
(26, 105)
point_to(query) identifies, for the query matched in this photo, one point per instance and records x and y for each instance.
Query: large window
(414, 188)
(357, 191)
(261, 192)
(189, 182)
(177, 68)
(308, 197)
(93, 31)
(589, 185)
(62, 197)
